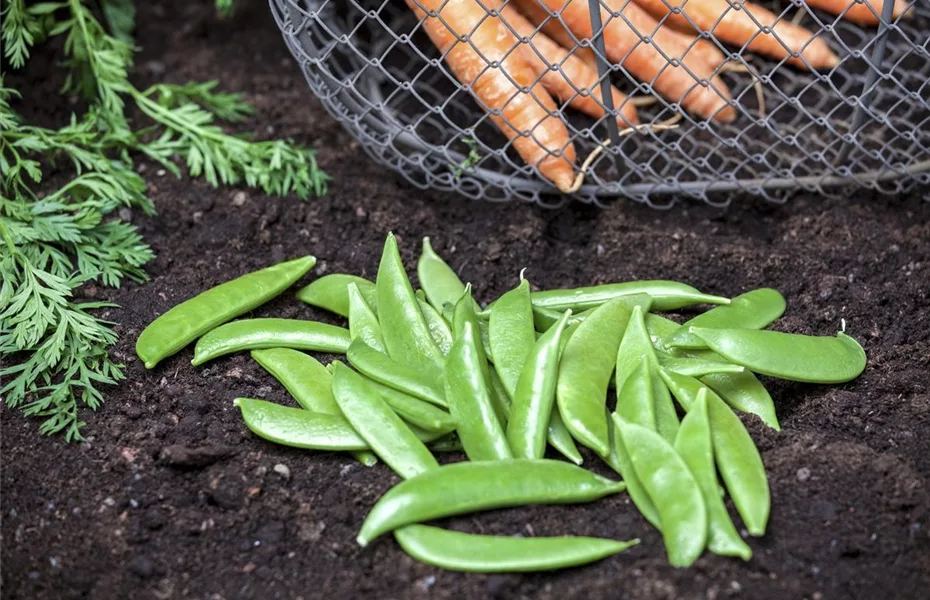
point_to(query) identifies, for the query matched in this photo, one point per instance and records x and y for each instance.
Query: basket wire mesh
(863, 123)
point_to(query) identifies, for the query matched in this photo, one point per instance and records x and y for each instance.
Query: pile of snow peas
(431, 371)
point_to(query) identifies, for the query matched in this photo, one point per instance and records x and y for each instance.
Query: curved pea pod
(544, 318)
(531, 404)
(619, 461)
(675, 493)
(737, 457)
(666, 295)
(383, 369)
(753, 310)
(635, 403)
(470, 403)
(363, 322)
(744, 392)
(437, 325)
(256, 334)
(587, 363)
(387, 435)
(635, 345)
(416, 412)
(468, 487)
(307, 381)
(694, 445)
(560, 438)
(331, 292)
(447, 443)
(440, 282)
(299, 428)
(659, 328)
(469, 552)
(190, 319)
(511, 334)
(811, 359)
(404, 328)
(697, 367)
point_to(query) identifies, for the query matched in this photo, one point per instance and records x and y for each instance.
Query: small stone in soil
(142, 566)
(282, 470)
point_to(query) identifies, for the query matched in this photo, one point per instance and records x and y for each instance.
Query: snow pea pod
(659, 328)
(383, 369)
(299, 428)
(737, 457)
(308, 382)
(666, 295)
(363, 322)
(468, 487)
(673, 490)
(331, 292)
(447, 443)
(190, 319)
(635, 402)
(636, 344)
(753, 310)
(255, 334)
(560, 438)
(469, 398)
(464, 312)
(414, 411)
(511, 334)
(743, 391)
(697, 367)
(694, 445)
(459, 551)
(404, 328)
(531, 406)
(811, 359)
(619, 461)
(387, 435)
(544, 318)
(587, 363)
(437, 325)
(440, 282)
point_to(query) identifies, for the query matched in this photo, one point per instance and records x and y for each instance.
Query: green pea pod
(468, 552)
(403, 326)
(531, 407)
(255, 334)
(468, 487)
(363, 322)
(753, 310)
(811, 359)
(694, 445)
(447, 443)
(544, 318)
(387, 435)
(440, 282)
(666, 295)
(190, 319)
(560, 438)
(500, 397)
(697, 367)
(438, 326)
(383, 369)
(331, 292)
(737, 457)
(585, 368)
(635, 402)
(464, 312)
(299, 428)
(511, 334)
(636, 344)
(659, 328)
(414, 411)
(673, 490)
(619, 461)
(743, 391)
(307, 381)
(470, 403)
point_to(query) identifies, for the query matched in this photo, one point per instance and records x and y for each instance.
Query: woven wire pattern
(864, 123)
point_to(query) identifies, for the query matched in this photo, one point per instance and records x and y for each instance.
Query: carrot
(528, 119)
(575, 80)
(626, 48)
(738, 27)
(859, 13)
(551, 26)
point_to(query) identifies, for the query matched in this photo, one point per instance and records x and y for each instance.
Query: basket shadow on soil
(171, 497)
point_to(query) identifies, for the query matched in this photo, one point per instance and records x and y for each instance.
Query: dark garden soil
(171, 497)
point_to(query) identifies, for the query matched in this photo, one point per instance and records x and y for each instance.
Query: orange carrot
(575, 80)
(552, 27)
(528, 119)
(738, 27)
(857, 12)
(626, 48)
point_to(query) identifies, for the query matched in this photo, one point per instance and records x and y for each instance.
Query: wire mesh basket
(863, 123)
